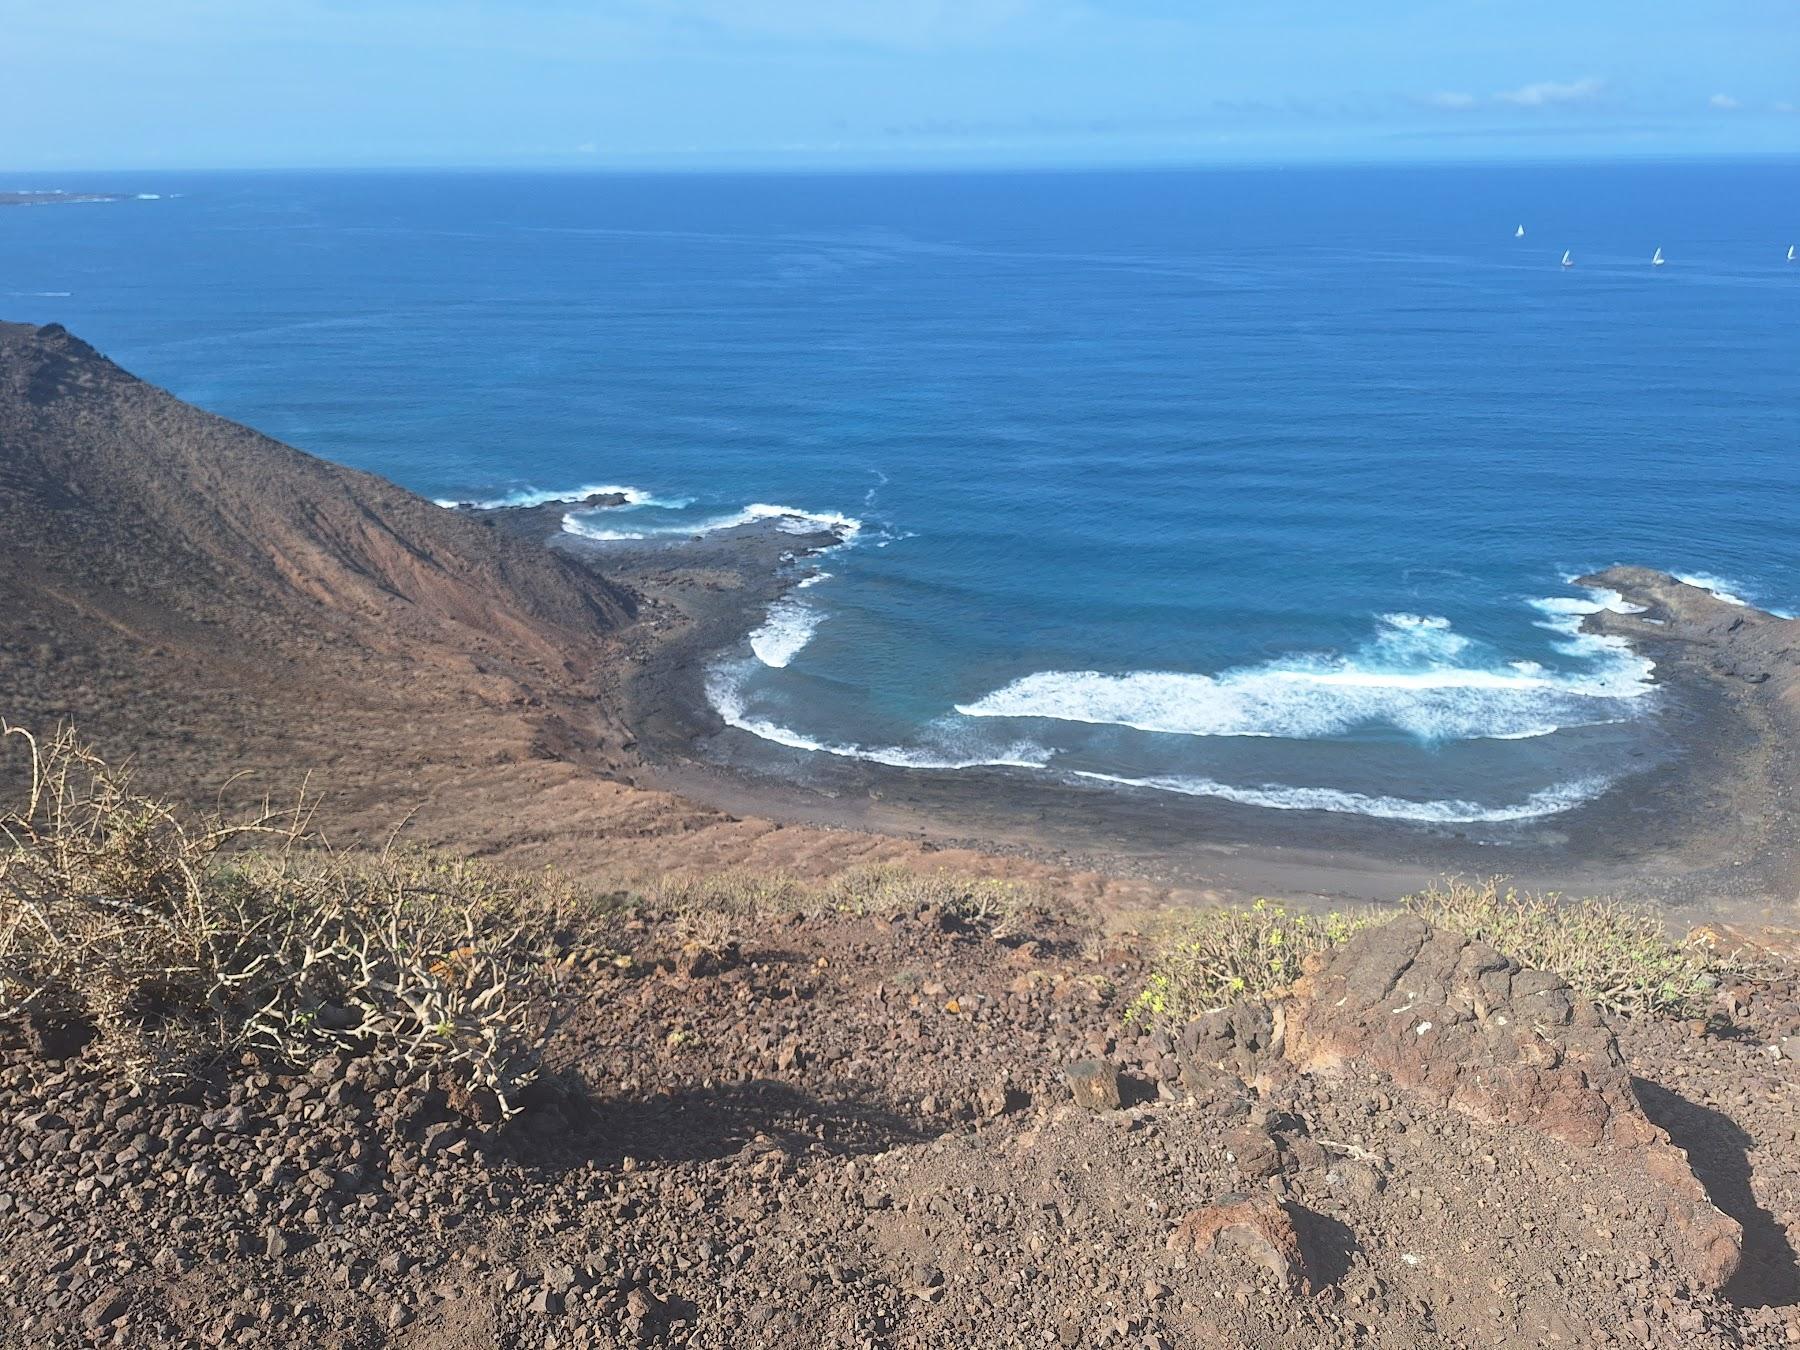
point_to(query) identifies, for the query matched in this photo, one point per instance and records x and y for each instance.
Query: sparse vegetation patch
(1218, 956)
(124, 921)
(1619, 956)
(988, 903)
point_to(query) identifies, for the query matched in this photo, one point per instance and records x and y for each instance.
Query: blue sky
(871, 83)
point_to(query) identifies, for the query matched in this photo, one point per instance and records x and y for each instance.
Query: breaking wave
(531, 496)
(1731, 592)
(1722, 587)
(724, 692)
(573, 524)
(790, 625)
(1547, 802)
(788, 519)
(1414, 676)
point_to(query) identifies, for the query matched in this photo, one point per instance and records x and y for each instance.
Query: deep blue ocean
(1262, 484)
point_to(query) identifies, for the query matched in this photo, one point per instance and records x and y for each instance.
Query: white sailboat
(1657, 261)
(1567, 261)
(1519, 233)
(1791, 257)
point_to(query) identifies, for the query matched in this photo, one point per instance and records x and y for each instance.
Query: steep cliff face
(204, 599)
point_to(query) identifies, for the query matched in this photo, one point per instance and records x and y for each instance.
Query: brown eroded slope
(149, 510)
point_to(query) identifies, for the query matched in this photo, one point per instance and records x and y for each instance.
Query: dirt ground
(861, 1131)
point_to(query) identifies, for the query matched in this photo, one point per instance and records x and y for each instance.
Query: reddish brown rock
(1458, 1022)
(1258, 1229)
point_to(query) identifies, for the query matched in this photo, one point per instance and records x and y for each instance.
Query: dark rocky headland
(56, 198)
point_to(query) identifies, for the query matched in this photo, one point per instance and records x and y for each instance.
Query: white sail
(1567, 260)
(1519, 233)
(1657, 261)
(1791, 257)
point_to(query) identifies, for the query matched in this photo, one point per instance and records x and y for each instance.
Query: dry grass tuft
(122, 918)
(985, 903)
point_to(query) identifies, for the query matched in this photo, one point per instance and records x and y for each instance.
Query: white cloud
(1450, 99)
(1783, 107)
(1724, 102)
(1548, 92)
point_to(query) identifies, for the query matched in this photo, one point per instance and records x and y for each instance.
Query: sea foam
(788, 519)
(1410, 676)
(1731, 592)
(790, 625)
(1546, 802)
(724, 690)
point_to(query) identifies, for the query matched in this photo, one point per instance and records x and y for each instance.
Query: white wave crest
(723, 691)
(790, 625)
(1723, 588)
(788, 519)
(531, 496)
(1627, 672)
(573, 524)
(1546, 802)
(1406, 678)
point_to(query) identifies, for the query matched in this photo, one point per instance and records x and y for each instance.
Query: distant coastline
(53, 197)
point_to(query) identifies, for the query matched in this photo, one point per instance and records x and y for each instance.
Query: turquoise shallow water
(1256, 484)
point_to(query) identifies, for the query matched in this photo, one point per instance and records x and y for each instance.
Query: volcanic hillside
(174, 579)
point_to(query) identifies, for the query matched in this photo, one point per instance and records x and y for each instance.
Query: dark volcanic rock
(1739, 642)
(1095, 1084)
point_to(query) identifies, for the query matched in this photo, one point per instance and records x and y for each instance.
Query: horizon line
(679, 168)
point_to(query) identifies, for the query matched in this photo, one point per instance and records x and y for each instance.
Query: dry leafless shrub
(171, 944)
